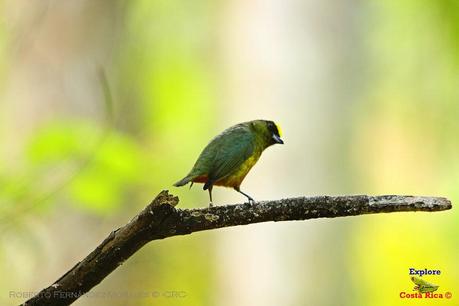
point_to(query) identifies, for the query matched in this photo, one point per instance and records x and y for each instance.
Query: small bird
(227, 159)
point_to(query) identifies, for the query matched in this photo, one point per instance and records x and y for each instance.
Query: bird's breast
(235, 179)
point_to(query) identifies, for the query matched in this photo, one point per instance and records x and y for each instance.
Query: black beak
(277, 139)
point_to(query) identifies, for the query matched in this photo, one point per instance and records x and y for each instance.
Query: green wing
(235, 147)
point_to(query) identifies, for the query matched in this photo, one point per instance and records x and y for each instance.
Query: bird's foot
(250, 201)
(211, 204)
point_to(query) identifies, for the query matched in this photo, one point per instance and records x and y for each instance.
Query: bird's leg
(210, 196)
(251, 200)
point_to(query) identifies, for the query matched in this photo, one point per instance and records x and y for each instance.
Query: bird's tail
(183, 181)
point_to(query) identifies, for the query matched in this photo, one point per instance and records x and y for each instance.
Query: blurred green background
(367, 94)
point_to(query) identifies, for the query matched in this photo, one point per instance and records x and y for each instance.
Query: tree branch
(161, 219)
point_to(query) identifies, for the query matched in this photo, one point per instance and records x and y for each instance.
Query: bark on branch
(160, 219)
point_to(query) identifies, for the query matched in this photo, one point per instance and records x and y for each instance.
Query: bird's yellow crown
(278, 129)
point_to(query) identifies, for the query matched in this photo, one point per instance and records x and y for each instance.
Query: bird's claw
(211, 204)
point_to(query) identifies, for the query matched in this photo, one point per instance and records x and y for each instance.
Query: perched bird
(227, 159)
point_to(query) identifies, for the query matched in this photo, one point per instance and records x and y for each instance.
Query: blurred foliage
(412, 144)
(107, 168)
(80, 172)
(162, 94)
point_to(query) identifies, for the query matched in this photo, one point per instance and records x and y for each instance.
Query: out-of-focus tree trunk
(285, 61)
(53, 50)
